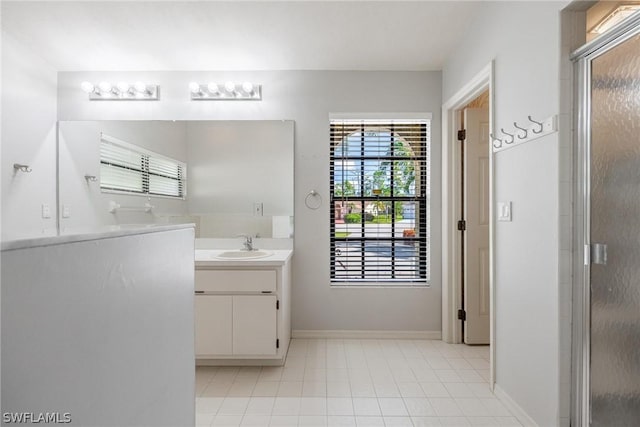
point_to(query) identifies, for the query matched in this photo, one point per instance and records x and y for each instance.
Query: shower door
(612, 232)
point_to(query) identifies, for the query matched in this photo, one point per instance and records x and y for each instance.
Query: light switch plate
(46, 211)
(258, 209)
(504, 211)
(66, 211)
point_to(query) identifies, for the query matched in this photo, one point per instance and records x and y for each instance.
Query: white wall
(29, 91)
(79, 155)
(307, 97)
(102, 329)
(524, 40)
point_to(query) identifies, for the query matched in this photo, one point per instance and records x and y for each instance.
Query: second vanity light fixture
(122, 91)
(229, 91)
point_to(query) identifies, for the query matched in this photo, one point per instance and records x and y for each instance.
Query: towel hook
(508, 134)
(538, 123)
(91, 178)
(495, 140)
(522, 129)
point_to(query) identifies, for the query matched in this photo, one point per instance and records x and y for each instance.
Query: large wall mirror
(227, 177)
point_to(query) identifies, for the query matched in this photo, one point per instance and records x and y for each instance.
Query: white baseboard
(515, 409)
(240, 362)
(342, 334)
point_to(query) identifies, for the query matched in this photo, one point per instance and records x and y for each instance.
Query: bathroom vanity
(242, 307)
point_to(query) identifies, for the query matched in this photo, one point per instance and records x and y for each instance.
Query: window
(126, 168)
(379, 188)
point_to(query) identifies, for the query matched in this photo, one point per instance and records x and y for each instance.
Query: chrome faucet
(248, 242)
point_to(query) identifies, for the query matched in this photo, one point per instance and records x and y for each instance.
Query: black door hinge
(462, 135)
(462, 315)
(277, 304)
(462, 225)
(277, 343)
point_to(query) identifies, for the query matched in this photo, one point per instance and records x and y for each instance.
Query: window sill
(379, 285)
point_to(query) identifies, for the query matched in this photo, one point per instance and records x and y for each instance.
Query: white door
(254, 324)
(213, 317)
(476, 236)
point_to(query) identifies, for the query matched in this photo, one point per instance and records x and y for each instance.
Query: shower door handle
(598, 253)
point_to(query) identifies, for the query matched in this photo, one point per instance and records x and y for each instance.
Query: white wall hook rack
(529, 132)
(22, 168)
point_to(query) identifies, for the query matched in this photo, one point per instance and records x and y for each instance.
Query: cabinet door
(254, 324)
(213, 317)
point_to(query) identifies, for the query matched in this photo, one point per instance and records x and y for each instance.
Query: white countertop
(207, 258)
(102, 233)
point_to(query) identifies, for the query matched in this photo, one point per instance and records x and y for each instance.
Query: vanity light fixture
(230, 87)
(122, 91)
(213, 88)
(229, 91)
(194, 87)
(123, 87)
(87, 87)
(247, 87)
(105, 87)
(617, 15)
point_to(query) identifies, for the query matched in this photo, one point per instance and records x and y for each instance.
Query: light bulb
(105, 87)
(123, 87)
(88, 87)
(230, 87)
(140, 87)
(194, 87)
(213, 87)
(247, 87)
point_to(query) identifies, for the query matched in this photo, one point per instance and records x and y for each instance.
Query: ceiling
(240, 35)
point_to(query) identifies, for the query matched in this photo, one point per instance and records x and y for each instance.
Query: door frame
(581, 299)
(451, 211)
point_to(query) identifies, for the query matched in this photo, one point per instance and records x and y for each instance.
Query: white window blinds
(379, 214)
(127, 168)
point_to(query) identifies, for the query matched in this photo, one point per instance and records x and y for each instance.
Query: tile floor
(332, 382)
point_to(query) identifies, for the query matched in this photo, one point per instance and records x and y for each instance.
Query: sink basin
(234, 255)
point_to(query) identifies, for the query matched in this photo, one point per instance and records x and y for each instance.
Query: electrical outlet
(66, 211)
(258, 209)
(46, 211)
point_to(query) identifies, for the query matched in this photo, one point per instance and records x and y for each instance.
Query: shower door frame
(581, 299)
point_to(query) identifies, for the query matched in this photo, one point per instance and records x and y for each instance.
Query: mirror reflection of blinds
(127, 168)
(379, 215)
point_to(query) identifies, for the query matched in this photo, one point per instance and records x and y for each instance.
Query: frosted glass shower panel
(615, 221)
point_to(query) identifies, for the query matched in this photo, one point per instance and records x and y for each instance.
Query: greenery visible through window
(127, 168)
(379, 187)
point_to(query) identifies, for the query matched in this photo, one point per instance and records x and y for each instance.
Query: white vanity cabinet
(242, 311)
(213, 316)
(255, 324)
